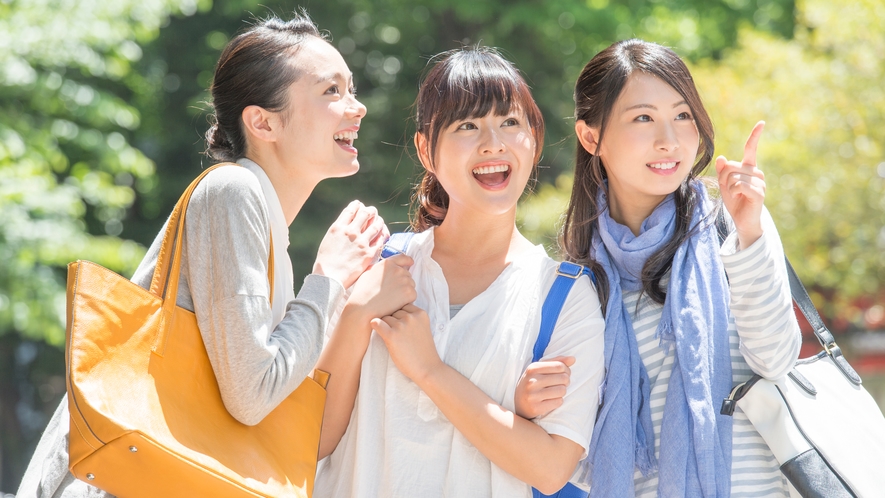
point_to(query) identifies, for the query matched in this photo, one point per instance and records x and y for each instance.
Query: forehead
(317, 60)
(643, 88)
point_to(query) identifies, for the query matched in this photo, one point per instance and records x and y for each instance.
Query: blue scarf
(695, 455)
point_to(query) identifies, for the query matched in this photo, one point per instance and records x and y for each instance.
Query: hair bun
(218, 146)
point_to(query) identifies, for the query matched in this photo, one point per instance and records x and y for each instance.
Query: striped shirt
(764, 338)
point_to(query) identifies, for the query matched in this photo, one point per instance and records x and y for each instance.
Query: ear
(588, 136)
(421, 146)
(260, 124)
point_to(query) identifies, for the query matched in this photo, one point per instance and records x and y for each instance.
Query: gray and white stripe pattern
(764, 337)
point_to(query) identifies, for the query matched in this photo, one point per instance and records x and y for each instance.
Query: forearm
(521, 448)
(342, 358)
(762, 305)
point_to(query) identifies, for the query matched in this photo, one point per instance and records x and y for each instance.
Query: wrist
(319, 269)
(747, 238)
(355, 312)
(430, 375)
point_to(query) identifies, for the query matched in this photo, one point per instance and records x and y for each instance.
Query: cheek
(691, 139)
(524, 147)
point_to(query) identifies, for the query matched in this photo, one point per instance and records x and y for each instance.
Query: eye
(684, 116)
(467, 126)
(333, 90)
(353, 90)
(510, 122)
(643, 118)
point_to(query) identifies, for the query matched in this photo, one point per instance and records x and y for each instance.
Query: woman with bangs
(433, 402)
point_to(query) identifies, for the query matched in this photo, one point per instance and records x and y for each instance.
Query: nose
(491, 142)
(666, 139)
(356, 109)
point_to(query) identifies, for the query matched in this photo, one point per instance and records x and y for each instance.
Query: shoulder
(229, 198)
(231, 182)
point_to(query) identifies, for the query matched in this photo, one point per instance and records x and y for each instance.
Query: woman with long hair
(686, 317)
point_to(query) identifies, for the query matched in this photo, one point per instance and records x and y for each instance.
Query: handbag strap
(566, 275)
(164, 281)
(823, 334)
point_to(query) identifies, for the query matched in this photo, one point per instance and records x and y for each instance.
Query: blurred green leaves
(68, 173)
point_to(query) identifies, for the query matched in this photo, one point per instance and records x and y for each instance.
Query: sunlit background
(102, 112)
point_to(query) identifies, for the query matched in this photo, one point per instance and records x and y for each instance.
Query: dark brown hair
(255, 68)
(465, 83)
(598, 87)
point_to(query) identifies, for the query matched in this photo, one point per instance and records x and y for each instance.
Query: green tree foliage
(68, 172)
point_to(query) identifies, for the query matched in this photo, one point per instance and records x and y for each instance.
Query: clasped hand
(352, 243)
(406, 332)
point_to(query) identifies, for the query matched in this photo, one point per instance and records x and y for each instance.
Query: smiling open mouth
(492, 175)
(346, 137)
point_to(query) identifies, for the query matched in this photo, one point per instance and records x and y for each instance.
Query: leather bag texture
(823, 427)
(147, 418)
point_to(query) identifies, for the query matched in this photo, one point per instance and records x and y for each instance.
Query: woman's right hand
(352, 243)
(542, 387)
(384, 288)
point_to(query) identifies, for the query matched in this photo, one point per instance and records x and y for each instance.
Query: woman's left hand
(742, 186)
(409, 341)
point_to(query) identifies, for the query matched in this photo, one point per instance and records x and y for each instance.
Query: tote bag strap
(164, 282)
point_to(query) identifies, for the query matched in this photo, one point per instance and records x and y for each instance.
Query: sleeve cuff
(566, 432)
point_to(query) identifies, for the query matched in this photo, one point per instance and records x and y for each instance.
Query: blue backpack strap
(397, 244)
(569, 491)
(566, 275)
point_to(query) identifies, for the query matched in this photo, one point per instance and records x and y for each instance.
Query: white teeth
(349, 136)
(662, 165)
(485, 170)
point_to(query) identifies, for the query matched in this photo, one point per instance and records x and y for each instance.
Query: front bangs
(477, 89)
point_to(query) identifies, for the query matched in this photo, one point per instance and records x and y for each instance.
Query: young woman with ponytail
(686, 317)
(285, 111)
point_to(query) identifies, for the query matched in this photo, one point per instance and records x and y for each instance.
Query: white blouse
(399, 444)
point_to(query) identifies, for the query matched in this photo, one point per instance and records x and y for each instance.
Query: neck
(632, 214)
(292, 186)
(476, 238)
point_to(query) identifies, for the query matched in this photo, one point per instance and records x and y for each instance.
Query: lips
(664, 165)
(492, 175)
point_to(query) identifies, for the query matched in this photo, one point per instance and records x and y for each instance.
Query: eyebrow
(649, 106)
(334, 76)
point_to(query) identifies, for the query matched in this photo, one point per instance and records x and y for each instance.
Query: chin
(350, 170)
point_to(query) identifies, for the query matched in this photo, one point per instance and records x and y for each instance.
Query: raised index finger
(752, 143)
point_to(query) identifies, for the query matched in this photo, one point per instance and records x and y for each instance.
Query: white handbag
(824, 428)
